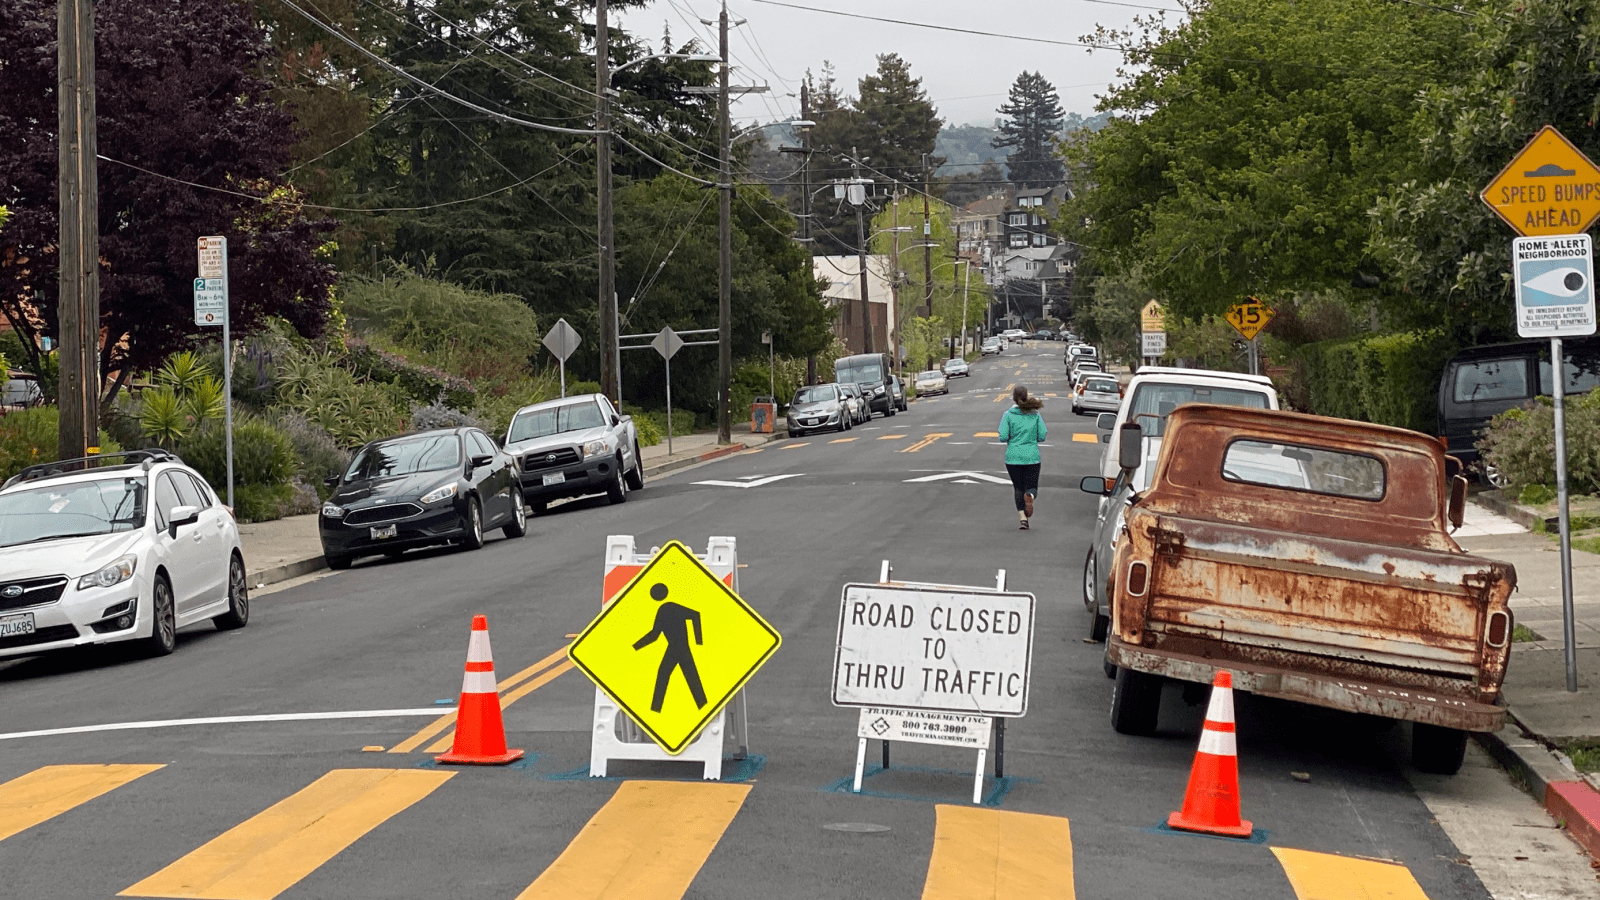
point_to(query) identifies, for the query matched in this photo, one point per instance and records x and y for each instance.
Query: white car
(956, 366)
(1014, 334)
(1156, 391)
(132, 549)
(931, 382)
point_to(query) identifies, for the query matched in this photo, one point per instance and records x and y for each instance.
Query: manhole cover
(856, 827)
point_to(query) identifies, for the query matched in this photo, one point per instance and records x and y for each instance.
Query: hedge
(1391, 379)
(423, 384)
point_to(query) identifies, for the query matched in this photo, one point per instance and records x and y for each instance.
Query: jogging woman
(1022, 428)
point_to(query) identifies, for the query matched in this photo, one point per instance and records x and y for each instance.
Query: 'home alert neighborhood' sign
(1554, 277)
(938, 649)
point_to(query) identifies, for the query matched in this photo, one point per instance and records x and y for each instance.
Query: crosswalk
(648, 841)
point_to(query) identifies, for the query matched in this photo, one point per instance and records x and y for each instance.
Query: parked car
(21, 390)
(819, 407)
(574, 447)
(876, 378)
(131, 549)
(1096, 392)
(446, 486)
(1479, 383)
(1082, 366)
(1155, 391)
(1041, 335)
(859, 411)
(932, 382)
(1076, 352)
(989, 347)
(1013, 334)
(957, 367)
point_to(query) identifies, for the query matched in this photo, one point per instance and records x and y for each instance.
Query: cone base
(1178, 822)
(461, 759)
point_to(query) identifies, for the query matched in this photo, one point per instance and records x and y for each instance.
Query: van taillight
(1499, 628)
(1138, 578)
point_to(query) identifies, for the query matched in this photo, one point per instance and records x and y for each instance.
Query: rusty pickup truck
(1312, 558)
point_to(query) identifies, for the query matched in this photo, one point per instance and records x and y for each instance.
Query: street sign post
(561, 340)
(1248, 319)
(211, 309)
(1550, 194)
(674, 647)
(667, 343)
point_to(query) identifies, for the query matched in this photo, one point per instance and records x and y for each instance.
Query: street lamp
(610, 345)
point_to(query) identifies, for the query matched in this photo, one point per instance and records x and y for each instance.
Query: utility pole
(78, 301)
(805, 199)
(927, 244)
(610, 356)
(860, 186)
(724, 240)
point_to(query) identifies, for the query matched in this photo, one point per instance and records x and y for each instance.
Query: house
(863, 327)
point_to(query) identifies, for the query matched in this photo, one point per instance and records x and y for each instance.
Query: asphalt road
(1076, 811)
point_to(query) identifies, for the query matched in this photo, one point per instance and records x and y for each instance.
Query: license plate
(382, 531)
(555, 478)
(12, 626)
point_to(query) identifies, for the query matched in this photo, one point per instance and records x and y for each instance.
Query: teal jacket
(1022, 432)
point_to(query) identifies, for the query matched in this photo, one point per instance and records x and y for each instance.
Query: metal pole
(563, 378)
(227, 369)
(610, 383)
(668, 361)
(725, 242)
(1558, 367)
(927, 245)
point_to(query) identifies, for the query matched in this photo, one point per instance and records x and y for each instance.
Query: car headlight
(596, 448)
(332, 511)
(442, 492)
(117, 572)
(877, 391)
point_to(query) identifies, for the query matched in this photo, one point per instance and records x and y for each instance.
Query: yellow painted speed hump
(674, 647)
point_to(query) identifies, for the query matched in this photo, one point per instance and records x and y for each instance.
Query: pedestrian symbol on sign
(672, 623)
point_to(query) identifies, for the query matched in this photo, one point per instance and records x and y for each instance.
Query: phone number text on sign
(887, 724)
(934, 649)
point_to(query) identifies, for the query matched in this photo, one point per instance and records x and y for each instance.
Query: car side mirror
(331, 481)
(1456, 512)
(1130, 445)
(181, 515)
(1105, 421)
(482, 459)
(1094, 484)
(615, 420)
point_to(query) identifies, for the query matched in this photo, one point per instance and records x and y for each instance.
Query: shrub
(436, 415)
(261, 502)
(649, 434)
(261, 454)
(432, 316)
(683, 422)
(1391, 379)
(320, 455)
(423, 384)
(327, 394)
(1520, 443)
(29, 436)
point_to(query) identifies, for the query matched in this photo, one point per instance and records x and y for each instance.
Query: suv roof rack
(144, 458)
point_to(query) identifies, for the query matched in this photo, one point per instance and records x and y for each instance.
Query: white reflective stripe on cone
(1221, 708)
(1218, 743)
(478, 647)
(478, 683)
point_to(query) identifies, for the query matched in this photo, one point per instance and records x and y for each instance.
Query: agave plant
(162, 417)
(182, 372)
(204, 400)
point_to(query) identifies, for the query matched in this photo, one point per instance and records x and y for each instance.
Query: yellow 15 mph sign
(674, 647)
(1249, 318)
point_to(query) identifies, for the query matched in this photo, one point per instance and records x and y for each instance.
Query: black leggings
(1024, 480)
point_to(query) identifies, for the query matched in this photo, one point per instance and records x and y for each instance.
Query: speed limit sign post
(1248, 318)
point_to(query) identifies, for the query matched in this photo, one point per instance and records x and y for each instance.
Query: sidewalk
(288, 548)
(1546, 719)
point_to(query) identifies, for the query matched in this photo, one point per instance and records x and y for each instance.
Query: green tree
(1253, 141)
(1032, 119)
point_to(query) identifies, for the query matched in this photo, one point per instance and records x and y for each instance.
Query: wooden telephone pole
(78, 303)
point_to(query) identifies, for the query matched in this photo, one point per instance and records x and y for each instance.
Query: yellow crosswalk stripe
(647, 843)
(269, 853)
(998, 855)
(1086, 438)
(842, 440)
(1324, 876)
(892, 437)
(926, 441)
(48, 792)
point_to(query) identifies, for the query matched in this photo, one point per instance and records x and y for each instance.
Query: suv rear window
(1491, 379)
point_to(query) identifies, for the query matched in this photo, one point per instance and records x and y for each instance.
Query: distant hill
(966, 147)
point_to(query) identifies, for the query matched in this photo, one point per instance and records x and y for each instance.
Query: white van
(1157, 390)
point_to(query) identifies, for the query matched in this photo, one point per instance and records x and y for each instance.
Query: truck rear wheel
(1437, 750)
(1135, 703)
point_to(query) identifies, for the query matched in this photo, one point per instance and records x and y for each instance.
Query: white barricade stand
(934, 723)
(615, 736)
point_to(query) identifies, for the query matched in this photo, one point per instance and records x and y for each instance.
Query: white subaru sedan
(131, 549)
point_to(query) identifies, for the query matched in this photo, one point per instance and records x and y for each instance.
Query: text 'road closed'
(934, 649)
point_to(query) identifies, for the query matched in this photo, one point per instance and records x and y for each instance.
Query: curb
(1551, 780)
(286, 571)
(1496, 502)
(683, 463)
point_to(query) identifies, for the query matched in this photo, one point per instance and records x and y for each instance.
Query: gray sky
(966, 75)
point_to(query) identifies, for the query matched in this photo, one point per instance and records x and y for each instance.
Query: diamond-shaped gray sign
(562, 340)
(667, 342)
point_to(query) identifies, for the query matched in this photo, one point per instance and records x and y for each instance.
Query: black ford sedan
(446, 486)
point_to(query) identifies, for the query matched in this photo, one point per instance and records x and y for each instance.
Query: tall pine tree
(1033, 118)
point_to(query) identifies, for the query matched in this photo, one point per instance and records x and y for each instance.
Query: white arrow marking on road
(943, 476)
(750, 484)
(964, 481)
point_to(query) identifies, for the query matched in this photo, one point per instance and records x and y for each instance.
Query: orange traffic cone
(480, 733)
(1211, 805)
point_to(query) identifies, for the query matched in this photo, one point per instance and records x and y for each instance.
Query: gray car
(819, 407)
(574, 447)
(1098, 393)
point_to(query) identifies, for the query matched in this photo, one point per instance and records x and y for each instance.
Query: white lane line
(434, 711)
(757, 482)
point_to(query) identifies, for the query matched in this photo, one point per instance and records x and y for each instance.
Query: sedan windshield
(929, 376)
(815, 394)
(72, 510)
(429, 453)
(556, 419)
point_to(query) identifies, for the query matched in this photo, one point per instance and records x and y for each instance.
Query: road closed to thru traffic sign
(934, 648)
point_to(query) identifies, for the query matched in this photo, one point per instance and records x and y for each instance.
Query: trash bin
(763, 415)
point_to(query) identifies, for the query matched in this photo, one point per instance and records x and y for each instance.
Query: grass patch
(1524, 634)
(1584, 759)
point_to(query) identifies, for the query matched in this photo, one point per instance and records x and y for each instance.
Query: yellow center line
(1000, 397)
(1086, 438)
(998, 855)
(843, 440)
(267, 854)
(926, 441)
(892, 437)
(48, 792)
(796, 444)
(986, 434)
(647, 843)
(1323, 876)
(749, 450)
(507, 699)
(449, 718)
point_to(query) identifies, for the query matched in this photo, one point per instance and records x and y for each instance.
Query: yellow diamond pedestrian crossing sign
(674, 647)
